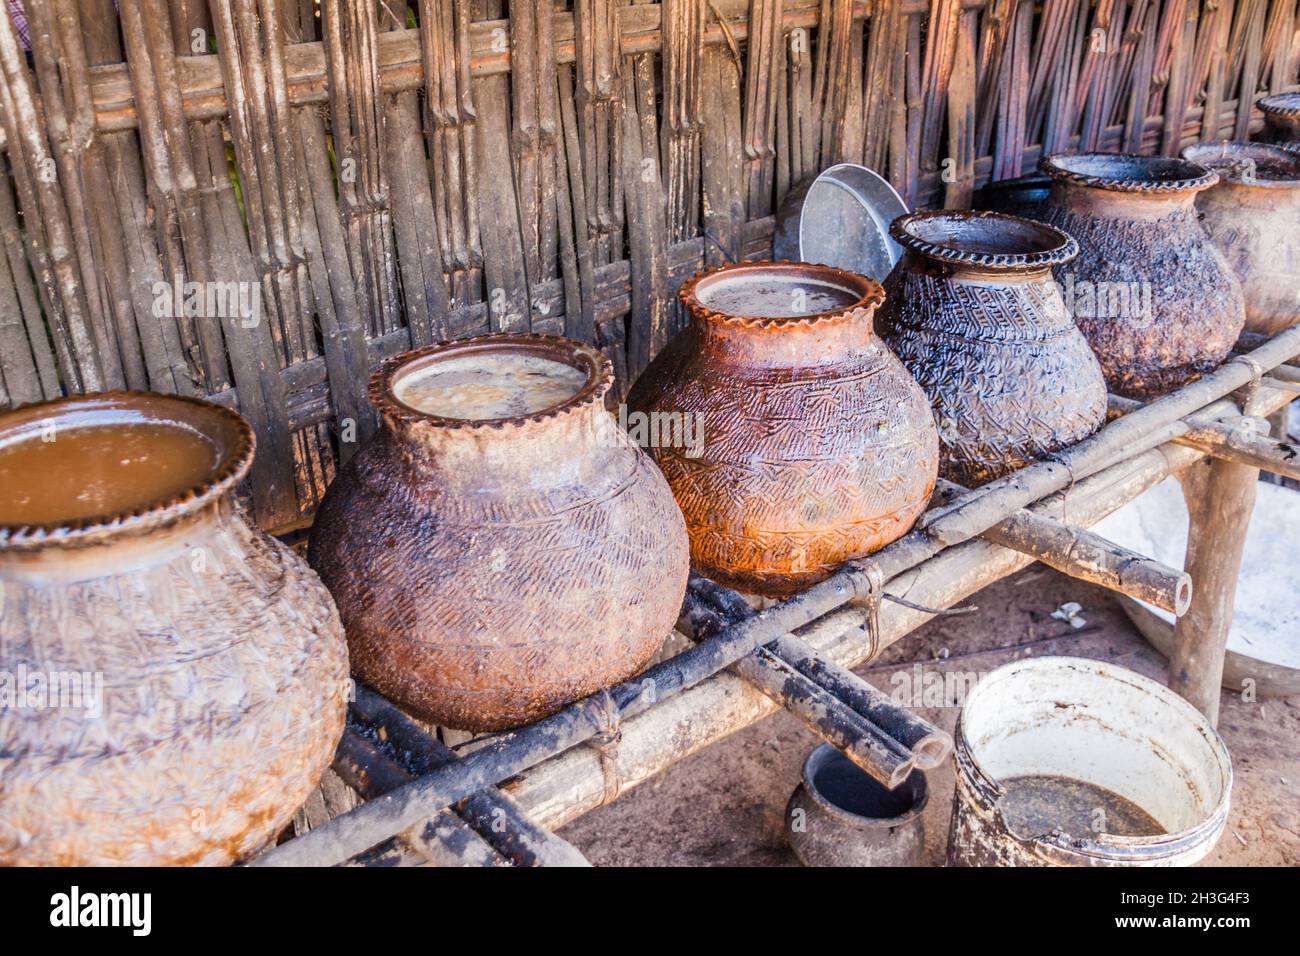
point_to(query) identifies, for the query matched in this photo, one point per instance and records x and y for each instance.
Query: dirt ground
(724, 806)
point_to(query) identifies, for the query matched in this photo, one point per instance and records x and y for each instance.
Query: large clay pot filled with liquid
(973, 312)
(1282, 119)
(817, 446)
(1253, 216)
(201, 667)
(1155, 298)
(500, 549)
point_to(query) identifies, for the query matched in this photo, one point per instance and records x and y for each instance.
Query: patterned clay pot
(500, 549)
(973, 312)
(1156, 300)
(817, 445)
(1282, 119)
(202, 667)
(1253, 216)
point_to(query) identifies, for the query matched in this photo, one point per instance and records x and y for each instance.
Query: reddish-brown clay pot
(491, 571)
(213, 654)
(1253, 216)
(1282, 119)
(1149, 290)
(817, 445)
(973, 312)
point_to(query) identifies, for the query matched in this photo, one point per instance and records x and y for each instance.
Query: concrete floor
(724, 806)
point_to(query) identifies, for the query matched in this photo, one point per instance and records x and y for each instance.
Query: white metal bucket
(1094, 722)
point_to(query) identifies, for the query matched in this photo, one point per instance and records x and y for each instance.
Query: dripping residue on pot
(481, 387)
(773, 296)
(1036, 805)
(88, 471)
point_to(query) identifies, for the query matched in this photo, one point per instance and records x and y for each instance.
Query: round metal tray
(841, 218)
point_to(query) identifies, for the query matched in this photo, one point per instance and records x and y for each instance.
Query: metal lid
(841, 219)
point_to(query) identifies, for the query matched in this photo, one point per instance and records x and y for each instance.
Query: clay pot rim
(557, 348)
(872, 294)
(1064, 250)
(236, 461)
(1229, 149)
(1284, 105)
(916, 781)
(1191, 178)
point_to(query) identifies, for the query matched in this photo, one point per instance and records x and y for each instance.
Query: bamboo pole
(1220, 498)
(496, 817)
(1241, 439)
(1090, 557)
(444, 840)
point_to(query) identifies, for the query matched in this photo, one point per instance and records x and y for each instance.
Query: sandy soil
(724, 805)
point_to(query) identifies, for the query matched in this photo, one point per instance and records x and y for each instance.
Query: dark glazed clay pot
(1151, 293)
(817, 445)
(973, 312)
(1282, 119)
(1253, 216)
(839, 816)
(212, 653)
(491, 570)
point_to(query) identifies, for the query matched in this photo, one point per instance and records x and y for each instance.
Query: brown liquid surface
(479, 387)
(99, 470)
(1037, 805)
(769, 298)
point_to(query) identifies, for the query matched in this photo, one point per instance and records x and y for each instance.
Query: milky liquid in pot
(762, 296)
(489, 385)
(95, 470)
(1036, 805)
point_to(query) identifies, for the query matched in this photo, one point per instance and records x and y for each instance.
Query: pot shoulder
(1009, 375)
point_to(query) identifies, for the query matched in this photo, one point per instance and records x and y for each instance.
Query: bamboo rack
(957, 547)
(258, 201)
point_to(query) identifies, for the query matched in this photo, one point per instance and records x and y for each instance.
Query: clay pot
(202, 667)
(1282, 119)
(817, 445)
(1253, 216)
(973, 312)
(1151, 293)
(491, 570)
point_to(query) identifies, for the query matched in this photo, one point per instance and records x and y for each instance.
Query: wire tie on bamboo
(606, 744)
(1247, 393)
(870, 602)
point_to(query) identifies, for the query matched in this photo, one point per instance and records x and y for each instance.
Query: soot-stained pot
(839, 816)
(500, 549)
(200, 666)
(817, 446)
(973, 312)
(1155, 298)
(1253, 216)
(1282, 119)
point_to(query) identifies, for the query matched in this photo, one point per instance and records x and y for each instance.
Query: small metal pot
(839, 816)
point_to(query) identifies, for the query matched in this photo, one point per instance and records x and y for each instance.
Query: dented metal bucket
(1061, 759)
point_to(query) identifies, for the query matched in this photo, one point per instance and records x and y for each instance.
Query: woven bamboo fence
(258, 200)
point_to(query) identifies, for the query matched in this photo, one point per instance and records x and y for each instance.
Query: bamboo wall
(375, 176)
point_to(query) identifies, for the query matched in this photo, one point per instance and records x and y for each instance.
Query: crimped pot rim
(870, 293)
(1056, 247)
(237, 458)
(1154, 175)
(1220, 156)
(1282, 105)
(556, 348)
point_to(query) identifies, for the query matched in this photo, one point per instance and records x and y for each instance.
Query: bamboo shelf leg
(1220, 498)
